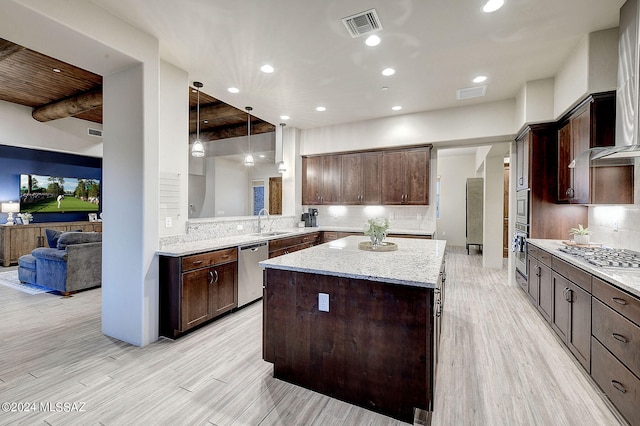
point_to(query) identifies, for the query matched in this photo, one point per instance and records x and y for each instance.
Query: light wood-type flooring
(500, 365)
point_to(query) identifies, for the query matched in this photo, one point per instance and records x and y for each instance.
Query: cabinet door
(560, 312)
(565, 156)
(534, 279)
(195, 306)
(393, 178)
(545, 297)
(371, 192)
(581, 137)
(417, 176)
(23, 240)
(331, 179)
(224, 295)
(522, 162)
(352, 179)
(311, 180)
(579, 337)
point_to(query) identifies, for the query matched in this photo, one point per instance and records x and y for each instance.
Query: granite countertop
(624, 278)
(218, 243)
(416, 263)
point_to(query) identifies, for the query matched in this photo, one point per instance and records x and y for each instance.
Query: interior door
(275, 195)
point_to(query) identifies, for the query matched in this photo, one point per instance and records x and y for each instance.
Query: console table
(17, 240)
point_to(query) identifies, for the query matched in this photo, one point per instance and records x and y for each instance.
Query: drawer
(310, 238)
(204, 260)
(281, 243)
(573, 274)
(532, 251)
(618, 334)
(290, 249)
(617, 382)
(544, 257)
(616, 299)
(329, 236)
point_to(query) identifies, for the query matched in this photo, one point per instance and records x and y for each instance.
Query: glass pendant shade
(248, 160)
(281, 167)
(197, 149)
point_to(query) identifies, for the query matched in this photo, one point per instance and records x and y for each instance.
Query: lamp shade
(10, 207)
(197, 150)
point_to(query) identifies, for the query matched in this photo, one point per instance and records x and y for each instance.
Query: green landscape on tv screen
(54, 194)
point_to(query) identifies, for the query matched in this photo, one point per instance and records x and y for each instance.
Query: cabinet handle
(539, 269)
(570, 193)
(618, 386)
(213, 276)
(619, 301)
(620, 338)
(198, 262)
(521, 180)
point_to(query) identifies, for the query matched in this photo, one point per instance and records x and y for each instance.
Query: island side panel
(373, 347)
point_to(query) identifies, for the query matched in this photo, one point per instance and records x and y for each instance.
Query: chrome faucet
(265, 211)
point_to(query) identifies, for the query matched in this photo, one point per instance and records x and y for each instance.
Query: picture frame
(18, 220)
(93, 217)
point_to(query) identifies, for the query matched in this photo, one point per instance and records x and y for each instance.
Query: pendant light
(281, 166)
(248, 159)
(197, 149)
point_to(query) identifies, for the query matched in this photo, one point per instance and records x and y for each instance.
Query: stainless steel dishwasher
(249, 273)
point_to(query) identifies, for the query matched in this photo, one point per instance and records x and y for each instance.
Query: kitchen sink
(270, 234)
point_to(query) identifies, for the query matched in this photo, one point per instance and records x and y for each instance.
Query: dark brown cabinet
(522, 161)
(288, 245)
(591, 124)
(196, 289)
(321, 179)
(571, 314)
(361, 178)
(540, 283)
(405, 176)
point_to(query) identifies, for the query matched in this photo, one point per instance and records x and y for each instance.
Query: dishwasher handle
(253, 247)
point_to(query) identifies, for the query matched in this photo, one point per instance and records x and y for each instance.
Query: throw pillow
(52, 237)
(77, 237)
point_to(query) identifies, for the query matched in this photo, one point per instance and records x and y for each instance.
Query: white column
(493, 201)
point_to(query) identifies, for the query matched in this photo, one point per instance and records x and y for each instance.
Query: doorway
(275, 195)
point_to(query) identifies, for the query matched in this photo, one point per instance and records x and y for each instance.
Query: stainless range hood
(627, 146)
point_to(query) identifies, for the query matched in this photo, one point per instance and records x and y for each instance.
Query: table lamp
(10, 208)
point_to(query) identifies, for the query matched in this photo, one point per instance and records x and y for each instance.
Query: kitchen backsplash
(400, 217)
(615, 226)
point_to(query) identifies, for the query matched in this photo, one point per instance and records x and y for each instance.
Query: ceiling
(28, 78)
(436, 47)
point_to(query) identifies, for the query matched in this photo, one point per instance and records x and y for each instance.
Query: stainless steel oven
(519, 246)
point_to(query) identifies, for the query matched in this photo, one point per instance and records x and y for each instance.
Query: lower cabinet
(287, 245)
(540, 285)
(196, 289)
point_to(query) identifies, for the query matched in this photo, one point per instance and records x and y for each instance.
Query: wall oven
(519, 246)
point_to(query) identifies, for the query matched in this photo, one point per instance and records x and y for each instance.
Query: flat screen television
(55, 194)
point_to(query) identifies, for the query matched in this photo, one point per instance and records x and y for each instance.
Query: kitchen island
(360, 326)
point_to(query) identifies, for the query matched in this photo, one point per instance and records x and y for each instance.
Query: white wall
(454, 171)
(534, 102)
(66, 135)
(174, 144)
(490, 121)
(231, 188)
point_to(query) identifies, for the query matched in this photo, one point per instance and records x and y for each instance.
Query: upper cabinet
(369, 178)
(405, 176)
(522, 161)
(591, 124)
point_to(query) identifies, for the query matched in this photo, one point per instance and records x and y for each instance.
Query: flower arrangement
(26, 217)
(376, 229)
(580, 234)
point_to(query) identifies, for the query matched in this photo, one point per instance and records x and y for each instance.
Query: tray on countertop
(384, 246)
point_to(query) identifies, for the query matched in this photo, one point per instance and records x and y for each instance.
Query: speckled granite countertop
(416, 262)
(200, 246)
(624, 278)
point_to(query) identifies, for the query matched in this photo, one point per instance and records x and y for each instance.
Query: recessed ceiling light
(266, 68)
(321, 108)
(233, 90)
(388, 71)
(205, 121)
(57, 70)
(284, 117)
(396, 108)
(492, 5)
(372, 40)
(261, 156)
(480, 79)
(385, 88)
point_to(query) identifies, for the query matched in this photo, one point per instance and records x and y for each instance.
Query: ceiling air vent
(94, 132)
(471, 92)
(362, 23)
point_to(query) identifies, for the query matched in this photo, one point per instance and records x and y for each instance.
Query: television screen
(53, 194)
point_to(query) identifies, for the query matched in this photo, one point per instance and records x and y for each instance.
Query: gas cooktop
(605, 256)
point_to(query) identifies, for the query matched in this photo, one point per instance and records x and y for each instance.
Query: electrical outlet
(615, 225)
(167, 222)
(323, 302)
(392, 216)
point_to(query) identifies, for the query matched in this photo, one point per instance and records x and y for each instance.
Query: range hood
(627, 146)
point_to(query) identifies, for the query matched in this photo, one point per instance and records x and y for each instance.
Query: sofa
(72, 263)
